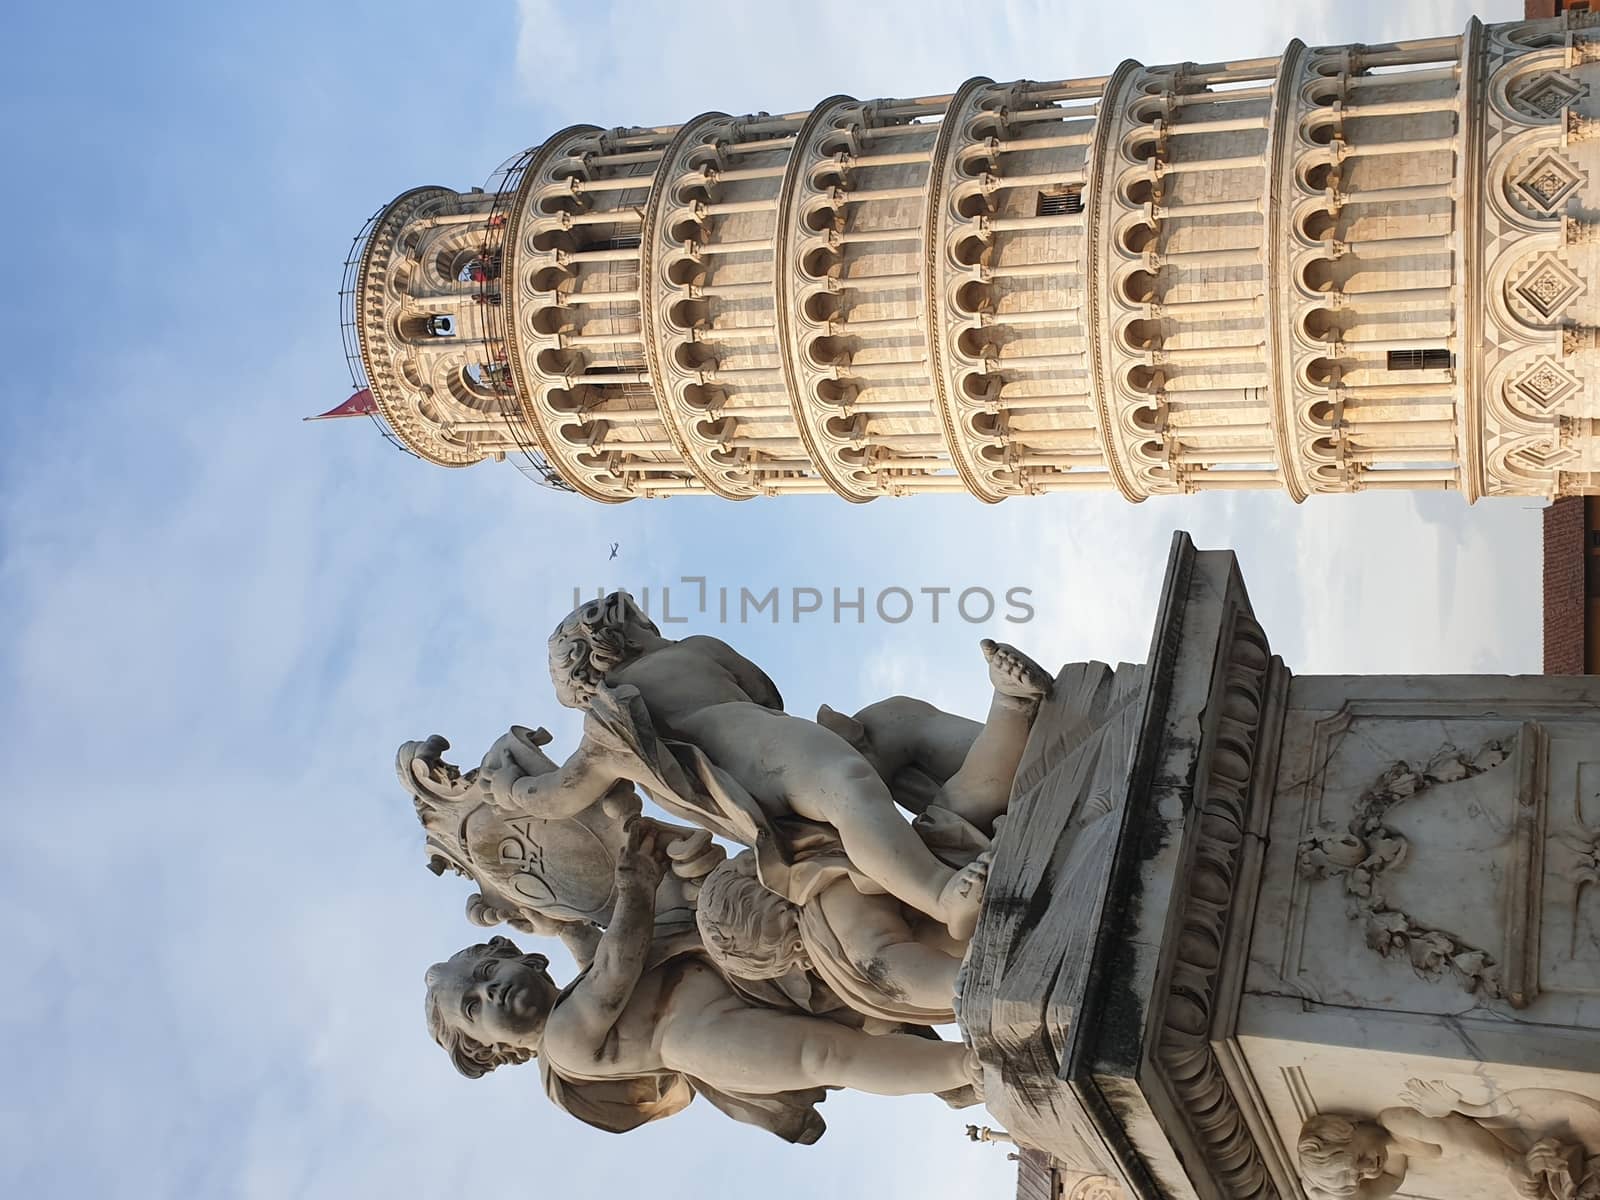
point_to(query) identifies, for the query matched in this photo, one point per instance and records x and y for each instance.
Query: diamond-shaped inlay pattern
(1546, 95)
(1544, 385)
(1548, 180)
(1548, 286)
(1546, 456)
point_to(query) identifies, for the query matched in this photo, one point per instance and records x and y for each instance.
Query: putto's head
(1338, 1154)
(748, 931)
(593, 640)
(487, 1005)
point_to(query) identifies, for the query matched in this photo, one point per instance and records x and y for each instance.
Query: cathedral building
(1338, 269)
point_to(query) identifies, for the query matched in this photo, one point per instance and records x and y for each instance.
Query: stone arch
(1530, 180)
(1534, 88)
(1529, 317)
(1527, 390)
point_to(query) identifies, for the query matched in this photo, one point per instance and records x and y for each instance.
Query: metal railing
(350, 335)
(529, 459)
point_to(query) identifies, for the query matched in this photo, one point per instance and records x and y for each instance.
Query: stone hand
(644, 857)
(515, 757)
(1431, 1098)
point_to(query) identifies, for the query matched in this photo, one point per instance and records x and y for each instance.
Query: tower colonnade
(1335, 270)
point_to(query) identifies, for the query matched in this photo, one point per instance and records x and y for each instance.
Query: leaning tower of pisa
(1335, 270)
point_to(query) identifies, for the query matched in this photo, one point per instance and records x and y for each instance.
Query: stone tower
(1340, 269)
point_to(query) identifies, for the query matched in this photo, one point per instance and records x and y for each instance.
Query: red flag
(359, 405)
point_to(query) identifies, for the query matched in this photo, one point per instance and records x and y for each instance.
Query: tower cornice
(1281, 241)
(787, 277)
(1098, 204)
(532, 420)
(1470, 372)
(936, 299)
(387, 394)
(653, 293)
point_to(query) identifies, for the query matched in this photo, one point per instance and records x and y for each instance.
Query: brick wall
(1535, 10)
(1565, 523)
(1565, 527)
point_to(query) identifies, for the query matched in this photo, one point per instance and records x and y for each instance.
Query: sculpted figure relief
(816, 958)
(550, 877)
(882, 959)
(703, 731)
(1543, 1143)
(627, 1043)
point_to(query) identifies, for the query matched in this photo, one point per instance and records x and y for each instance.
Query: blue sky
(219, 622)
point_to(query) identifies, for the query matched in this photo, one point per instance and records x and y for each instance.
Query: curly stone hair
(473, 1058)
(591, 641)
(1326, 1154)
(748, 931)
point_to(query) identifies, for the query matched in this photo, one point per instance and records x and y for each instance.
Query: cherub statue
(1368, 1160)
(882, 960)
(1541, 1141)
(703, 730)
(549, 877)
(1556, 1132)
(627, 1042)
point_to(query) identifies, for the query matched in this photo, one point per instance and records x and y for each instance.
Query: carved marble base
(1228, 904)
(1103, 961)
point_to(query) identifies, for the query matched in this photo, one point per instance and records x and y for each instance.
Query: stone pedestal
(1227, 900)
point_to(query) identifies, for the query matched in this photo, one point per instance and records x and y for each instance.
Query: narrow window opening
(1430, 359)
(626, 241)
(1062, 203)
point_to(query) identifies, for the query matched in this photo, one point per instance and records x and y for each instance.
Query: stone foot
(850, 729)
(1013, 673)
(942, 830)
(972, 1092)
(961, 1097)
(962, 898)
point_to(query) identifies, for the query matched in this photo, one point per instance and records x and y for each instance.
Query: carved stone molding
(1186, 1051)
(1578, 339)
(1548, 181)
(1545, 288)
(1545, 94)
(1096, 1187)
(1367, 851)
(1578, 232)
(1543, 387)
(1580, 128)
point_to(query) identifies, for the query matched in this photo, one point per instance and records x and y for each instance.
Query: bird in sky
(614, 546)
